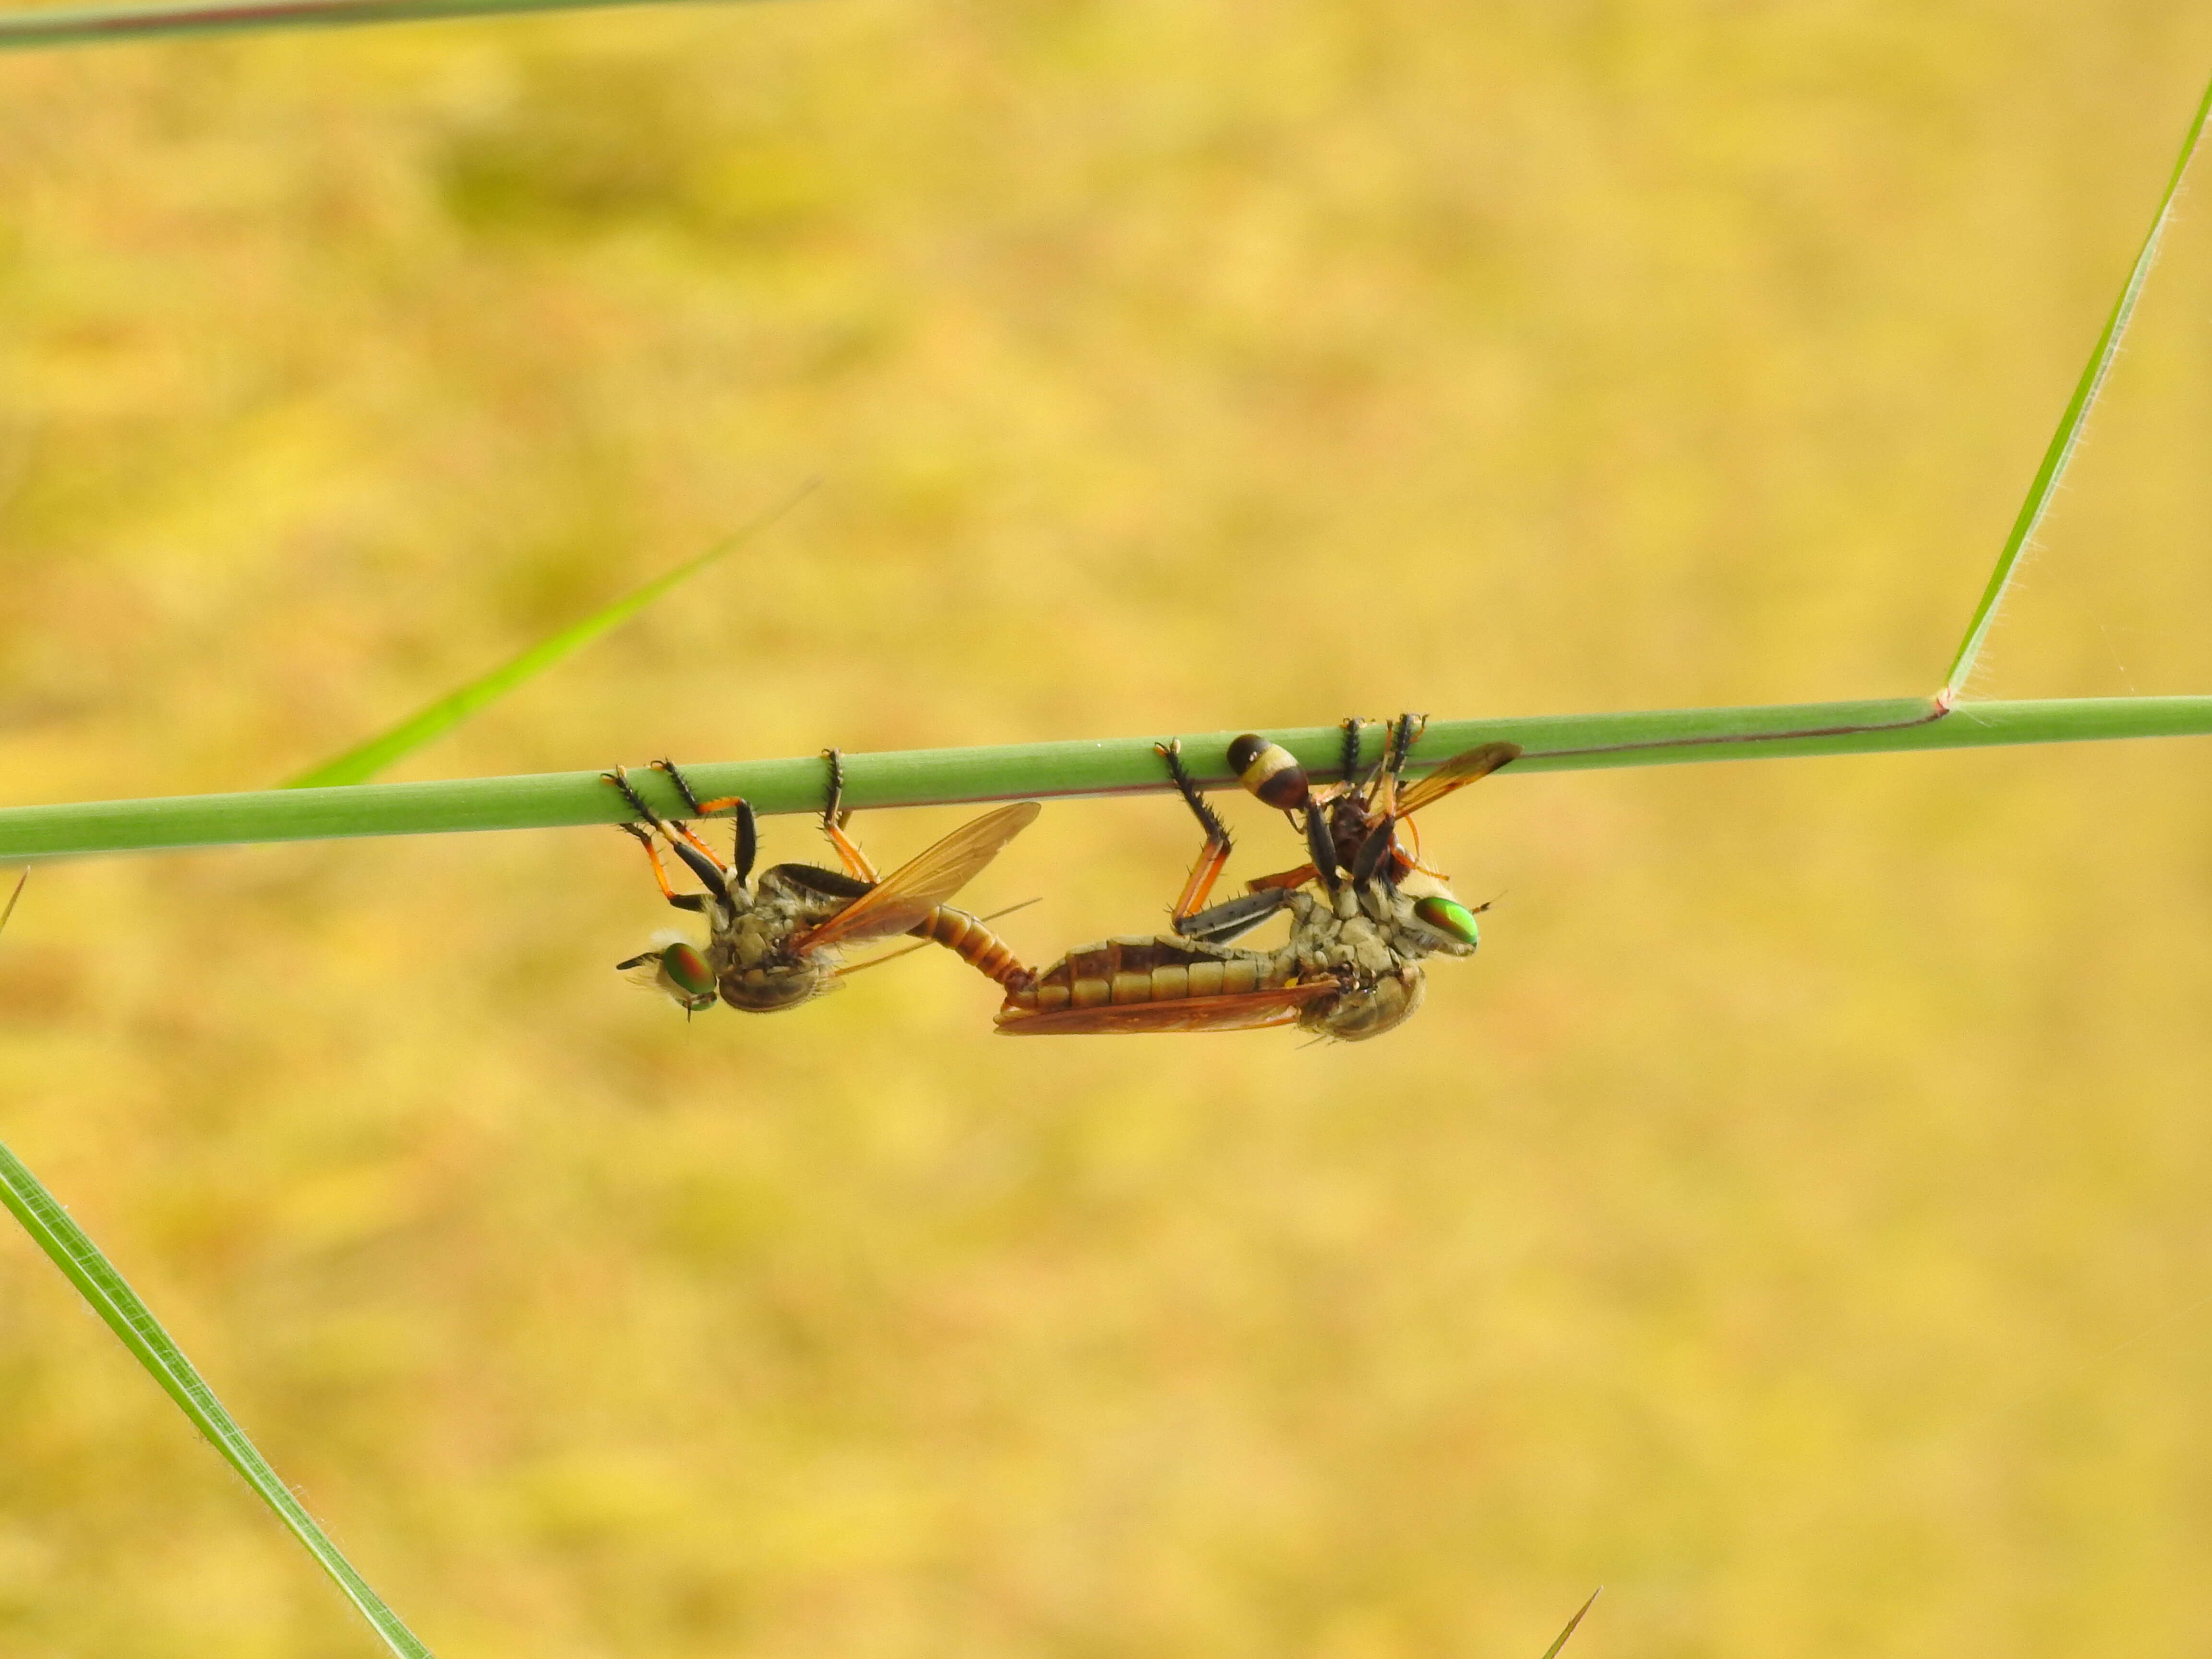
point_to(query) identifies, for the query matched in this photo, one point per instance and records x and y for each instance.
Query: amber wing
(1240, 1011)
(1457, 772)
(910, 892)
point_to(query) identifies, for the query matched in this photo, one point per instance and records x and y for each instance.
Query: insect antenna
(21, 882)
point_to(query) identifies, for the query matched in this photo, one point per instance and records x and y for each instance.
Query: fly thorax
(1365, 948)
(755, 939)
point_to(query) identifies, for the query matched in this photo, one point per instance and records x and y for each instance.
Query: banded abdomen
(974, 943)
(1145, 969)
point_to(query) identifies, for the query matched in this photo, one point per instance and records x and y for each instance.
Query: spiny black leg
(1351, 725)
(1213, 856)
(620, 778)
(833, 814)
(1233, 918)
(682, 787)
(1217, 832)
(1410, 727)
(745, 844)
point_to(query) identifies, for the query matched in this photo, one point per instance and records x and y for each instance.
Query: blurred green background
(1794, 1220)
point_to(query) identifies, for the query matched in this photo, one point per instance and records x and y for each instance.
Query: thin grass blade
(113, 1300)
(1553, 1651)
(77, 26)
(2068, 438)
(71, 1249)
(364, 761)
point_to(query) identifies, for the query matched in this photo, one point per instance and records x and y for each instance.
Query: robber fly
(1364, 914)
(774, 943)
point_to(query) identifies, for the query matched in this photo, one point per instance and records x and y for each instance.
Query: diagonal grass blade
(2068, 438)
(114, 1301)
(364, 761)
(75, 25)
(1553, 1651)
(131, 1319)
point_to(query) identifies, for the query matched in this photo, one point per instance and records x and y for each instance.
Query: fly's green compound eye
(1450, 918)
(688, 971)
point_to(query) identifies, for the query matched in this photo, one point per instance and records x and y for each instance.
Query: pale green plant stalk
(1119, 766)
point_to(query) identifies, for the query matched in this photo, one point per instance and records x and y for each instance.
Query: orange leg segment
(652, 857)
(1213, 857)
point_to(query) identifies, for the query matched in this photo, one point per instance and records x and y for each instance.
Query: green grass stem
(112, 1298)
(1116, 766)
(2068, 438)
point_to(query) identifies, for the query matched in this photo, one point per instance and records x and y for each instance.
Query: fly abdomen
(974, 943)
(1269, 771)
(1141, 969)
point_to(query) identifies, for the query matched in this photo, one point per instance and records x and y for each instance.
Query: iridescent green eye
(688, 971)
(1450, 918)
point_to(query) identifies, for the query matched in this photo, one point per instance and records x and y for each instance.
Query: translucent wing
(1240, 1011)
(1457, 772)
(910, 892)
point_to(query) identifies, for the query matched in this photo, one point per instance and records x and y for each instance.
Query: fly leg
(833, 820)
(1225, 921)
(1397, 749)
(745, 843)
(702, 863)
(1351, 725)
(1213, 857)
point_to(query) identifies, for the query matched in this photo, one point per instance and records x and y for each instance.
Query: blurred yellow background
(1795, 1220)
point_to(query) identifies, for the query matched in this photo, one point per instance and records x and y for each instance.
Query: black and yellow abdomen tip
(1269, 771)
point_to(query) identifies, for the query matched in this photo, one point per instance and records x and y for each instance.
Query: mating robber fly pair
(1364, 912)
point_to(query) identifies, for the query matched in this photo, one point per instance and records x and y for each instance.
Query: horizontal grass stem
(1119, 766)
